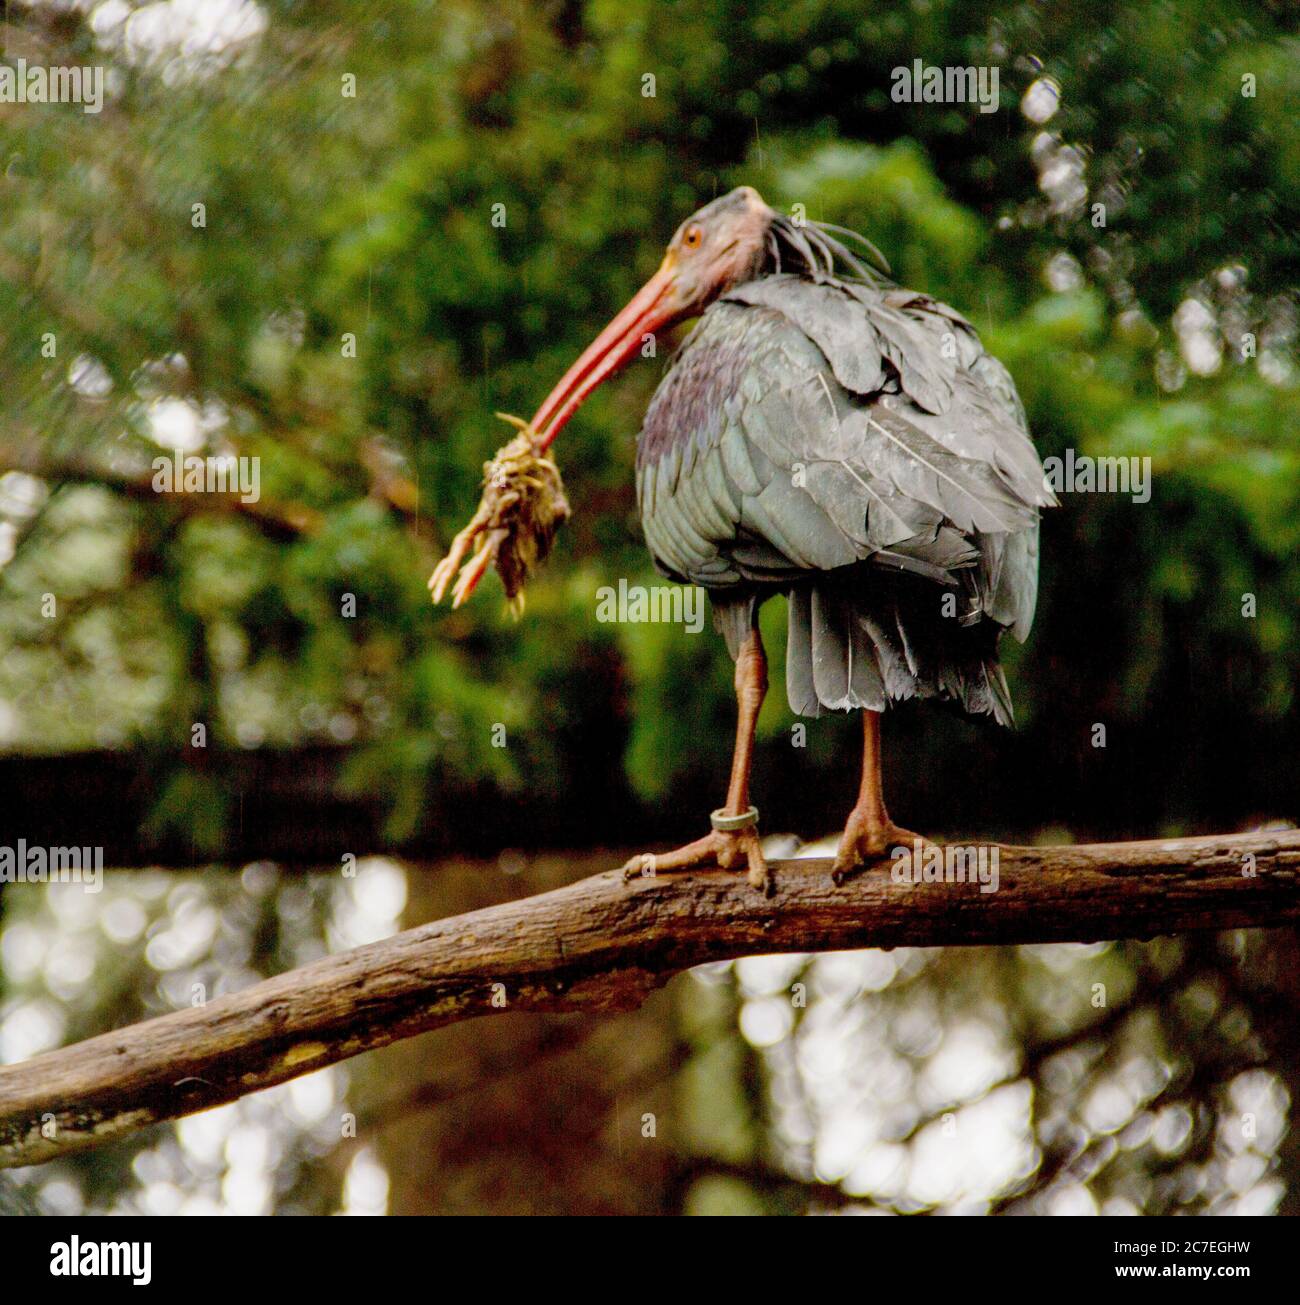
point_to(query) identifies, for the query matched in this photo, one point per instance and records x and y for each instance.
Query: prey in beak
(522, 507)
(523, 502)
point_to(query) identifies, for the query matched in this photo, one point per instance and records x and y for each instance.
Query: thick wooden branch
(601, 945)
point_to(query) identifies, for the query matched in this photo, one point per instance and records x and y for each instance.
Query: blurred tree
(187, 268)
(277, 242)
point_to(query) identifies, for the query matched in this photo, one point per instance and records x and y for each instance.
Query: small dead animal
(522, 507)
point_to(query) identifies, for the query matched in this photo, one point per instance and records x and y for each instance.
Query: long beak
(646, 312)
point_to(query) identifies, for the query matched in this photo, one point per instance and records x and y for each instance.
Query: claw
(640, 866)
(760, 876)
(864, 844)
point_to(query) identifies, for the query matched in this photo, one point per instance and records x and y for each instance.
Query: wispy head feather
(809, 249)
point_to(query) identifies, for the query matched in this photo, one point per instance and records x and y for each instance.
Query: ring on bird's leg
(725, 824)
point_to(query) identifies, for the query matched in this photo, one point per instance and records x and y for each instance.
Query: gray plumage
(853, 446)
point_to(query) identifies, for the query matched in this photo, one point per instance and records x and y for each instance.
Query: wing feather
(806, 426)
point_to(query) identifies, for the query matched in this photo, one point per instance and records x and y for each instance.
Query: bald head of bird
(733, 239)
(730, 240)
(719, 246)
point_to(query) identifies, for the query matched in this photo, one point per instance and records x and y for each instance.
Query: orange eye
(692, 238)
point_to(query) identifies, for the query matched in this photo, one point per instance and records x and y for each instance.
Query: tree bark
(602, 945)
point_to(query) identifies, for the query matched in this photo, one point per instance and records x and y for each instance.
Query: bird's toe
(640, 866)
(717, 850)
(759, 874)
(867, 842)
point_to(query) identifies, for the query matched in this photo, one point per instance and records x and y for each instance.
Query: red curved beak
(649, 310)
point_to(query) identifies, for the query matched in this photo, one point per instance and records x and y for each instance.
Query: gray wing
(807, 426)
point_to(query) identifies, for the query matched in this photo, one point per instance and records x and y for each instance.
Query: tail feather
(799, 686)
(858, 641)
(846, 664)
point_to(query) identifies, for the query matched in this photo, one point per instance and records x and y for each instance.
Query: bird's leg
(734, 838)
(869, 833)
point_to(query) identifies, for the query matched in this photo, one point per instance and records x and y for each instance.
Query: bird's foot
(485, 553)
(723, 849)
(870, 839)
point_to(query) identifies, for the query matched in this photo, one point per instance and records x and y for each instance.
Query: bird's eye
(692, 238)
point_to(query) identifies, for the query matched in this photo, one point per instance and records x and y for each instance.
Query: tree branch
(278, 520)
(601, 945)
